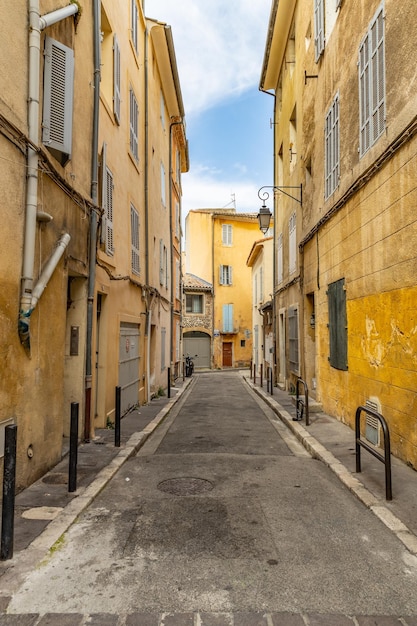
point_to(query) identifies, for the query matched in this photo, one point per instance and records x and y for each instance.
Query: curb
(17, 568)
(318, 451)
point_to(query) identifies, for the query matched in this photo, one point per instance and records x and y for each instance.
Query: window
(134, 31)
(318, 28)
(336, 296)
(372, 83)
(280, 260)
(163, 185)
(194, 303)
(227, 318)
(243, 343)
(292, 234)
(116, 79)
(225, 277)
(58, 99)
(227, 234)
(134, 115)
(108, 211)
(332, 150)
(293, 338)
(107, 203)
(134, 234)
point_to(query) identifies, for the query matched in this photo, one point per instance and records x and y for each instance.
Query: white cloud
(205, 191)
(219, 46)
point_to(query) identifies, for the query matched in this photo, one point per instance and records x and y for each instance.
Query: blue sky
(219, 49)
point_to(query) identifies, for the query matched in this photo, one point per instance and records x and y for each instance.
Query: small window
(194, 303)
(227, 234)
(134, 233)
(243, 343)
(225, 277)
(134, 125)
(336, 296)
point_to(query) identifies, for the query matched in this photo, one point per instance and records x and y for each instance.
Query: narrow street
(224, 515)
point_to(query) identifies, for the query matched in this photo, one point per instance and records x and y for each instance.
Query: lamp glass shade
(264, 218)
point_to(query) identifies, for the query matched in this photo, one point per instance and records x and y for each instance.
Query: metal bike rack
(300, 403)
(386, 457)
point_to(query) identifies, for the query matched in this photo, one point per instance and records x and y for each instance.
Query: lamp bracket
(264, 195)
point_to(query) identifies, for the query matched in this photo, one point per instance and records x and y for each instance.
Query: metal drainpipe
(147, 298)
(93, 224)
(36, 24)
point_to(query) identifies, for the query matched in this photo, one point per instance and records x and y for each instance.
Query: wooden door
(227, 354)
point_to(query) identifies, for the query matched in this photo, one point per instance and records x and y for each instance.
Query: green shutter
(337, 325)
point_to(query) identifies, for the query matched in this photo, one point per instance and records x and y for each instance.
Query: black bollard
(73, 452)
(169, 382)
(117, 418)
(9, 482)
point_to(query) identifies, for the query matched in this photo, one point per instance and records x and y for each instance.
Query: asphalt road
(223, 511)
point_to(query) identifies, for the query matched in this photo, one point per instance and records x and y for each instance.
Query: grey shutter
(318, 28)
(58, 98)
(337, 324)
(109, 212)
(116, 79)
(364, 96)
(134, 233)
(377, 57)
(221, 281)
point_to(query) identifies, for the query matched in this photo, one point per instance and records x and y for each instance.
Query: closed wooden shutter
(336, 295)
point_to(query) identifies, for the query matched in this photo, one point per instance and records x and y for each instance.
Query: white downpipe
(49, 268)
(36, 24)
(56, 16)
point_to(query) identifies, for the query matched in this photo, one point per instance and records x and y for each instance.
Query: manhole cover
(185, 486)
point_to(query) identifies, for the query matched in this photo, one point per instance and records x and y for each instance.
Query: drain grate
(186, 486)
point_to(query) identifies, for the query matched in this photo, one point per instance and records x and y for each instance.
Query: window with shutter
(292, 233)
(225, 277)
(116, 79)
(336, 296)
(134, 125)
(371, 66)
(58, 99)
(318, 28)
(134, 233)
(134, 30)
(293, 338)
(280, 260)
(332, 150)
(227, 234)
(228, 318)
(109, 186)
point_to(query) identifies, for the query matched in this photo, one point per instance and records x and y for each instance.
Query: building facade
(47, 59)
(197, 320)
(93, 145)
(345, 143)
(217, 241)
(260, 260)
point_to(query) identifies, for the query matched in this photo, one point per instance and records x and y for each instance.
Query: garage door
(129, 366)
(197, 343)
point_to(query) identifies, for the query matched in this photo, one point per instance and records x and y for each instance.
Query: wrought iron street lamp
(264, 218)
(264, 215)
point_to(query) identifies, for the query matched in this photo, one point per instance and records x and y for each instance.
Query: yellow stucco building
(217, 245)
(46, 144)
(93, 145)
(343, 79)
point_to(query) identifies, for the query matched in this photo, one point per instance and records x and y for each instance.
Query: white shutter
(221, 281)
(58, 97)
(318, 28)
(134, 233)
(364, 96)
(103, 168)
(116, 79)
